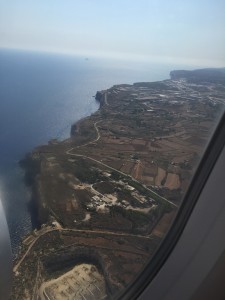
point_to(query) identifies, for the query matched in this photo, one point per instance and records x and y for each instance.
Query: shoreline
(116, 184)
(31, 170)
(31, 164)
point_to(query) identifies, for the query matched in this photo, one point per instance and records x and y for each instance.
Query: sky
(178, 31)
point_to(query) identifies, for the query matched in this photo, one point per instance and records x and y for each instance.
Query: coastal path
(95, 140)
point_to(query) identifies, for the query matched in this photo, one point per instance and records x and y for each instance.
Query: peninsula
(105, 197)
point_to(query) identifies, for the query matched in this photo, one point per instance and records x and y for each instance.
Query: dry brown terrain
(108, 195)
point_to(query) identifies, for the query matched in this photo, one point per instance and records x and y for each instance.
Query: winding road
(68, 152)
(91, 142)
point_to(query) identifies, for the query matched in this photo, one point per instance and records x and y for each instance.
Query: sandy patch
(137, 170)
(172, 181)
(87, 217)
(82, 282)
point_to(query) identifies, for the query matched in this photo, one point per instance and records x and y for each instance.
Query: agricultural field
(106, 197)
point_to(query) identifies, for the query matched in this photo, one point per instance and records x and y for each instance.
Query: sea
(41, 96)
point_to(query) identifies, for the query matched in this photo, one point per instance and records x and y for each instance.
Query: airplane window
(106, 110)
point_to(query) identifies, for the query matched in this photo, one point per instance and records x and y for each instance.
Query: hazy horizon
(190, 32)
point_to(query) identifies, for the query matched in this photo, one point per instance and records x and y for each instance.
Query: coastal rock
(98, 96)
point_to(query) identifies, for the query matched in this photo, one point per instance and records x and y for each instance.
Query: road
(106, 98)
(95, 140)
(124, 174)
(29, 248)
(16, 267)
(68, 152)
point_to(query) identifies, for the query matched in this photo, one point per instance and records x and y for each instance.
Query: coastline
(32, 166)
(110, 192)
(84, 133)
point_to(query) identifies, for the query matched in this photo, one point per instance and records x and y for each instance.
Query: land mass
(106, 197)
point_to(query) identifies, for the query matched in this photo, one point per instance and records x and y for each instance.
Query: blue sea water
(41, 96)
